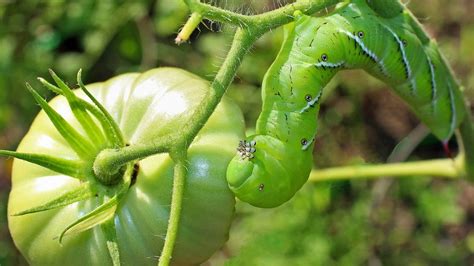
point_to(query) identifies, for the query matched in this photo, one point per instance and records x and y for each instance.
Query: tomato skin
(146, 107)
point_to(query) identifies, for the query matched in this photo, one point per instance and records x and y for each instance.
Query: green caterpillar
(273, 164)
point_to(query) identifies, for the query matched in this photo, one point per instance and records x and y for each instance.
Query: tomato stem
(109, 162)
(448, 168)
(179, 180)
(188, 28)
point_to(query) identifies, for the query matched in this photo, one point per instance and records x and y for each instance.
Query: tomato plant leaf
(83, 192)
(81, 146)
(73, 168)
(91, 128)
(108, 227)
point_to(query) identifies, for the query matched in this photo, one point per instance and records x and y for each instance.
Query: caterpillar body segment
(386, 8)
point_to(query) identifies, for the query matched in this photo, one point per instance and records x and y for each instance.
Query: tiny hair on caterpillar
(272, 165)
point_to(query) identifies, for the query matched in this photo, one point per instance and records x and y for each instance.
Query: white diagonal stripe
(312, 102)
(366, 50)
(433, 80)
(330, 65)
(404, 57)
(453, 110)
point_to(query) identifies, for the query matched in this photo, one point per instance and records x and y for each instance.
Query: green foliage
(355, 227)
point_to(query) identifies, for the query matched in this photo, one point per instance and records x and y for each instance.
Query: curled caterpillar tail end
(265, 173)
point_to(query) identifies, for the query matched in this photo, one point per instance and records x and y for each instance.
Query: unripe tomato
(146, 107)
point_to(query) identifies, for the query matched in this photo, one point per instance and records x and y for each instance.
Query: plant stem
(180, 172)
(188, 28)
(216, 13)
(448, 168)
(108, 162)
(265, 21)
(242, 42)
(466, 141)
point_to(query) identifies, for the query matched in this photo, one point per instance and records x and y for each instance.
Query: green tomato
(146, 107)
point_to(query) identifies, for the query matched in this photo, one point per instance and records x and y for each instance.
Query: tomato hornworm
(386, 42)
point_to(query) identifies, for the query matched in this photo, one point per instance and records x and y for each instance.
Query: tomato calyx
(98, 132)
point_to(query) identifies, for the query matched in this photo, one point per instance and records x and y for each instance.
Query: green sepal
(83, 192)
(97, 216)
(103, 212)
(73, 168)
(91, 128)
(118, 137)
(104, 122)
(108, 227)
(94, 110)
(78, 143)
(50, 86)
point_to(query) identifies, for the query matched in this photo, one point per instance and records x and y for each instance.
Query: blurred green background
(411, 221)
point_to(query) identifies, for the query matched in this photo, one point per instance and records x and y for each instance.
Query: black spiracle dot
(308, 97)
(261, 187)
(360, 34)
(324, 57)
(304, 142)
(405, 43)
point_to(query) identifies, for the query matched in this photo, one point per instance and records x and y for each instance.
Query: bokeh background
(410, 221)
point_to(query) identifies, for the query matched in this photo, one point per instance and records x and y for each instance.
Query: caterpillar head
(266, 172)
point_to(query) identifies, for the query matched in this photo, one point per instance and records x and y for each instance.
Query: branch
(263, 22)
(180, 172)
(442, 168)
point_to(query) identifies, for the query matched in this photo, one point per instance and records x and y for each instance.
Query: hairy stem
(242, 42)
(108, 162)
(264, 21)
(180, 172)
(442, 167)
(188, 28)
